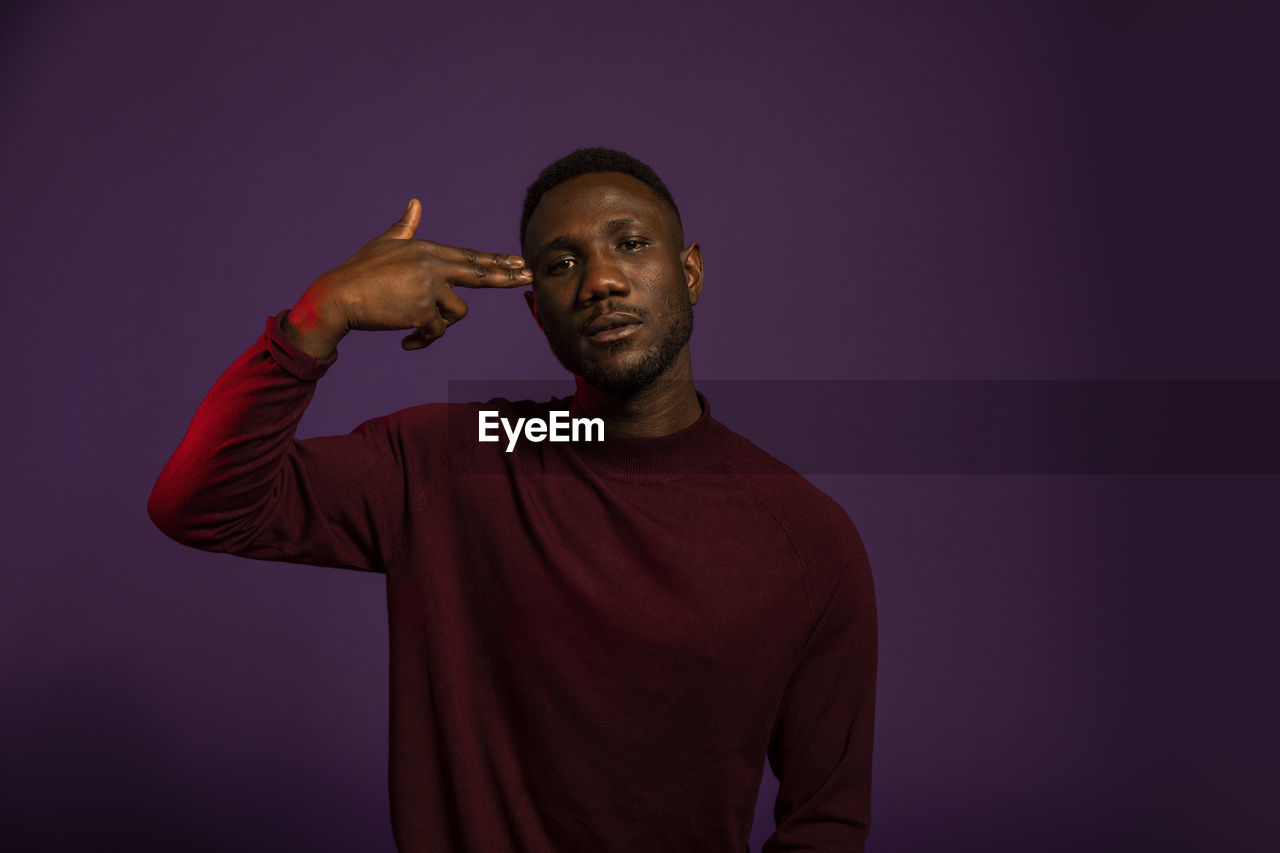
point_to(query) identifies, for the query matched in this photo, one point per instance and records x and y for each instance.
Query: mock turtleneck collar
(695, 448)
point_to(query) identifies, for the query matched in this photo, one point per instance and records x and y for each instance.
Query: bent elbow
(186, 512)
(167, 508)
(194, 512)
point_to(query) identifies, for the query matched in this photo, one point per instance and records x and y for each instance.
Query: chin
(622, 367)
(624, 375)
(614, 383)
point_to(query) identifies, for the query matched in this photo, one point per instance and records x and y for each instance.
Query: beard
(640, 373)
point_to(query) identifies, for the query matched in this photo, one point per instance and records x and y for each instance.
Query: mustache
(613, 308)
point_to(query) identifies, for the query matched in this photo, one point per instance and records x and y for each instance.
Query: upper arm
(338, 501)
(821, 745)
(240, 482)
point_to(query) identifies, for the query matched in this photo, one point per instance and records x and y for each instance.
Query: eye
(561, 265)
(632, 244)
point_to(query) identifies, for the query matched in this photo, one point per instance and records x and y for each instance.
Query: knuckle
(452, 311)
(426, 316)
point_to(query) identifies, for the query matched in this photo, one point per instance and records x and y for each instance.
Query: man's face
(612, 287)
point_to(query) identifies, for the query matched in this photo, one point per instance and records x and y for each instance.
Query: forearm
(220, 481)
(240, 482)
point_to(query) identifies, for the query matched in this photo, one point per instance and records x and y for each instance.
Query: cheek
(543, 304)
(552, 315)
(668, 290)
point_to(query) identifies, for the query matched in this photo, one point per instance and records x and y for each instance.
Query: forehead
(588, 202)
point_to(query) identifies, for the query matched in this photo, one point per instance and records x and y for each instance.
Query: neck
(666, 405)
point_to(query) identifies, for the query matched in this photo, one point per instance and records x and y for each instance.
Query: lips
(611, 327)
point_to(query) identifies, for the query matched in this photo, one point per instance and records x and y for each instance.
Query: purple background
(943, 191)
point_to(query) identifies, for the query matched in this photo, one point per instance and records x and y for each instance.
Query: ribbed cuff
(287, 354)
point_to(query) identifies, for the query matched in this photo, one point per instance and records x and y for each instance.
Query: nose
(601, 278)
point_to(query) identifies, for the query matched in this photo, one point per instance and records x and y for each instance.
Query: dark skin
(605, 250)
(397, 282)
(612, 287)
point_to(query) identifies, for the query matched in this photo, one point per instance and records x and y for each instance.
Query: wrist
(314, 325)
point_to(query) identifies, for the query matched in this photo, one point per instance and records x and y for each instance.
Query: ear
(532, 302)
(691, 259)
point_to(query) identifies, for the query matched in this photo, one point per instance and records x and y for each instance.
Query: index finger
(473, 258)
(483, 275)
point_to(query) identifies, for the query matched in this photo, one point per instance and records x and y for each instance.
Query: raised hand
(397, 282)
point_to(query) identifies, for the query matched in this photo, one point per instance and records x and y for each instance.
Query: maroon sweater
(593, 646)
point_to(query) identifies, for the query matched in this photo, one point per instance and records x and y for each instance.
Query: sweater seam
(804, 575)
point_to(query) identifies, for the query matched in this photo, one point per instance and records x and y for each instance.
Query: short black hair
(588, 161)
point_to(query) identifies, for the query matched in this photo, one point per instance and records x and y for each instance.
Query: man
(593, 644)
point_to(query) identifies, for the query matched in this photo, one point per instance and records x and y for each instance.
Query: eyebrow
(560, 242)
(613, 226)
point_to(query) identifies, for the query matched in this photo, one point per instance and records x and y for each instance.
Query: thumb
(405, 225)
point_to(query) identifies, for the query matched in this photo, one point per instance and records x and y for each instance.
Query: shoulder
(424, 431)
(801, 507)
(437, 416)
(825, 539)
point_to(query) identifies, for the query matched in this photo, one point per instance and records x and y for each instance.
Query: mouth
(611, 327)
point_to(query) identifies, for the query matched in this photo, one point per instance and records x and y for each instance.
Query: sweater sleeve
(820, 748)
(240, 482)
